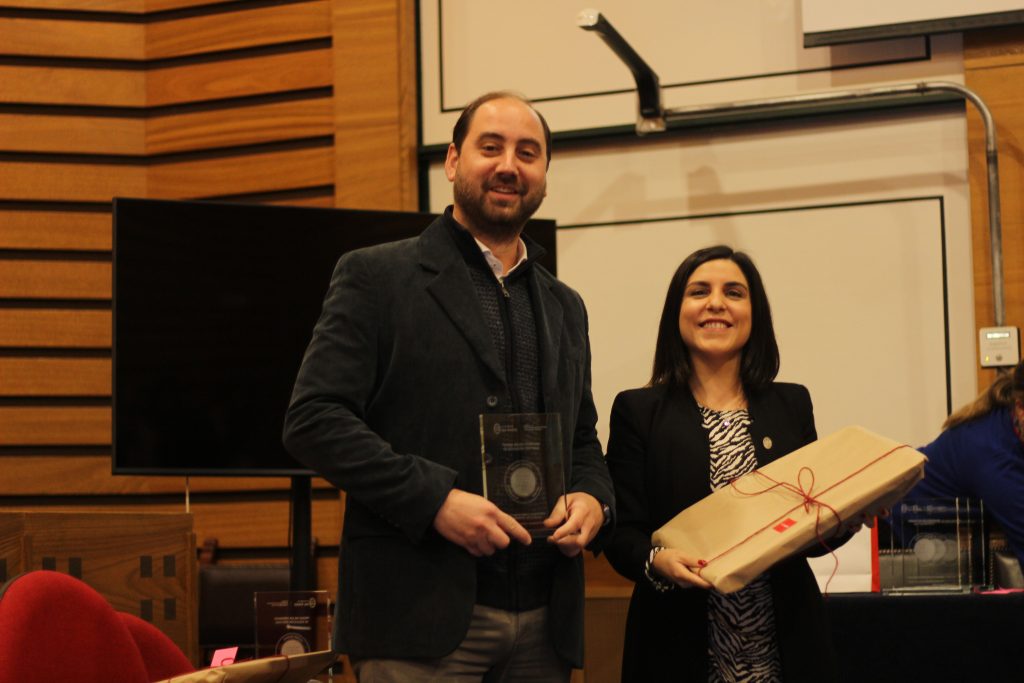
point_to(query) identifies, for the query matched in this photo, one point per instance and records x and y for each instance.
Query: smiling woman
(711, 412)
(722, 287)
(714, 319)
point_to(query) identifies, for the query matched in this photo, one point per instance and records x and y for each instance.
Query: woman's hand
(678, 568)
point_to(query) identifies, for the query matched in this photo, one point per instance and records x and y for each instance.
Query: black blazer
(386, 407)
(659, 457)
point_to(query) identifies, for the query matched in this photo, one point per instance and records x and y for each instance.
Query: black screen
(214, 304)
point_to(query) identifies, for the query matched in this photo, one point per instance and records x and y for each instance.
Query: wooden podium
(142, 563)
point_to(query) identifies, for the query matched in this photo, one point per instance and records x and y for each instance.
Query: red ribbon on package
(808, 499)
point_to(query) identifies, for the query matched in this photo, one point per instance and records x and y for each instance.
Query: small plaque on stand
(522, 462)
(292, 622)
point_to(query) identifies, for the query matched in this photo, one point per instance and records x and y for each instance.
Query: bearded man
(417, 340)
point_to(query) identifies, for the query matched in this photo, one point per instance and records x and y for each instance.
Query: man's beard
(500, 223)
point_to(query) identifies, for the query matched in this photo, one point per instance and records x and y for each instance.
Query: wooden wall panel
(54, 426)
(324, 201)
(994, 69)
(83, 85)
(127, 6)
(66, 38)
(372, 53)
(47, 279)
(246, 28)
(603, 581)
(241, 103)
(242, 125)
(72, 134)
(243, 77)
(151, 6)
(89, 475)
(55, 376)
(263, 523)
(327, 575)
(240, 175)
(77, 475)
(63, 230)
(245, 521)
(54, 328)
(177, 37)
(62, 181)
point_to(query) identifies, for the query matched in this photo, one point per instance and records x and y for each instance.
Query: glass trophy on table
(934, 545)
(293, 623)
(523, 466)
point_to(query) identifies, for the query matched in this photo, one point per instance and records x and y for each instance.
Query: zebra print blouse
(741, 625)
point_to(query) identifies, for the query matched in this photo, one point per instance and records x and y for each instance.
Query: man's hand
(678, 568)
(477, 524)
(580, 517)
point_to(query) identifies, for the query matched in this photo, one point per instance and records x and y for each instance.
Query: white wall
(703, 52)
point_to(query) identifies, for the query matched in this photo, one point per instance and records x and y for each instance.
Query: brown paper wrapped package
(740, 535)
(280, 669)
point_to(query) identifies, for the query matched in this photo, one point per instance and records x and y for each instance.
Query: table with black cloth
(924, 638)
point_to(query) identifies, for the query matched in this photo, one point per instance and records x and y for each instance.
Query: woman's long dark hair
(760, 362)
(1003, 392)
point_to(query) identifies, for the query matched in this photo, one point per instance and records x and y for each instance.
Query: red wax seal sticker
(784, 524)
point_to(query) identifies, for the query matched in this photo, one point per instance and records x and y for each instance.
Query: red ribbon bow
(808, 498)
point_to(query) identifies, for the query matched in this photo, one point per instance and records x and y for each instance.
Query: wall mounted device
(999, 347)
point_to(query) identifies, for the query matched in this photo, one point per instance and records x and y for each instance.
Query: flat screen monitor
(214, 304)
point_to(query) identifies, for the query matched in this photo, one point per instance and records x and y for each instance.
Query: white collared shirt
(497, 267)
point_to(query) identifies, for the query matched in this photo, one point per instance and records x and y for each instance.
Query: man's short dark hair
(760, 362)
(461, 128)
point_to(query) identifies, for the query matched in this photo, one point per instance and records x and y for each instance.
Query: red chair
(159, 653)
(54, 627)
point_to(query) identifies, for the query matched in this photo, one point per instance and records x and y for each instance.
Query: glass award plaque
(292, 622)
(522, 463)
(934, 545)
(1006, 569)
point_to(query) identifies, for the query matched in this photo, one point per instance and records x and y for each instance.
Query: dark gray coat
(386, 407)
